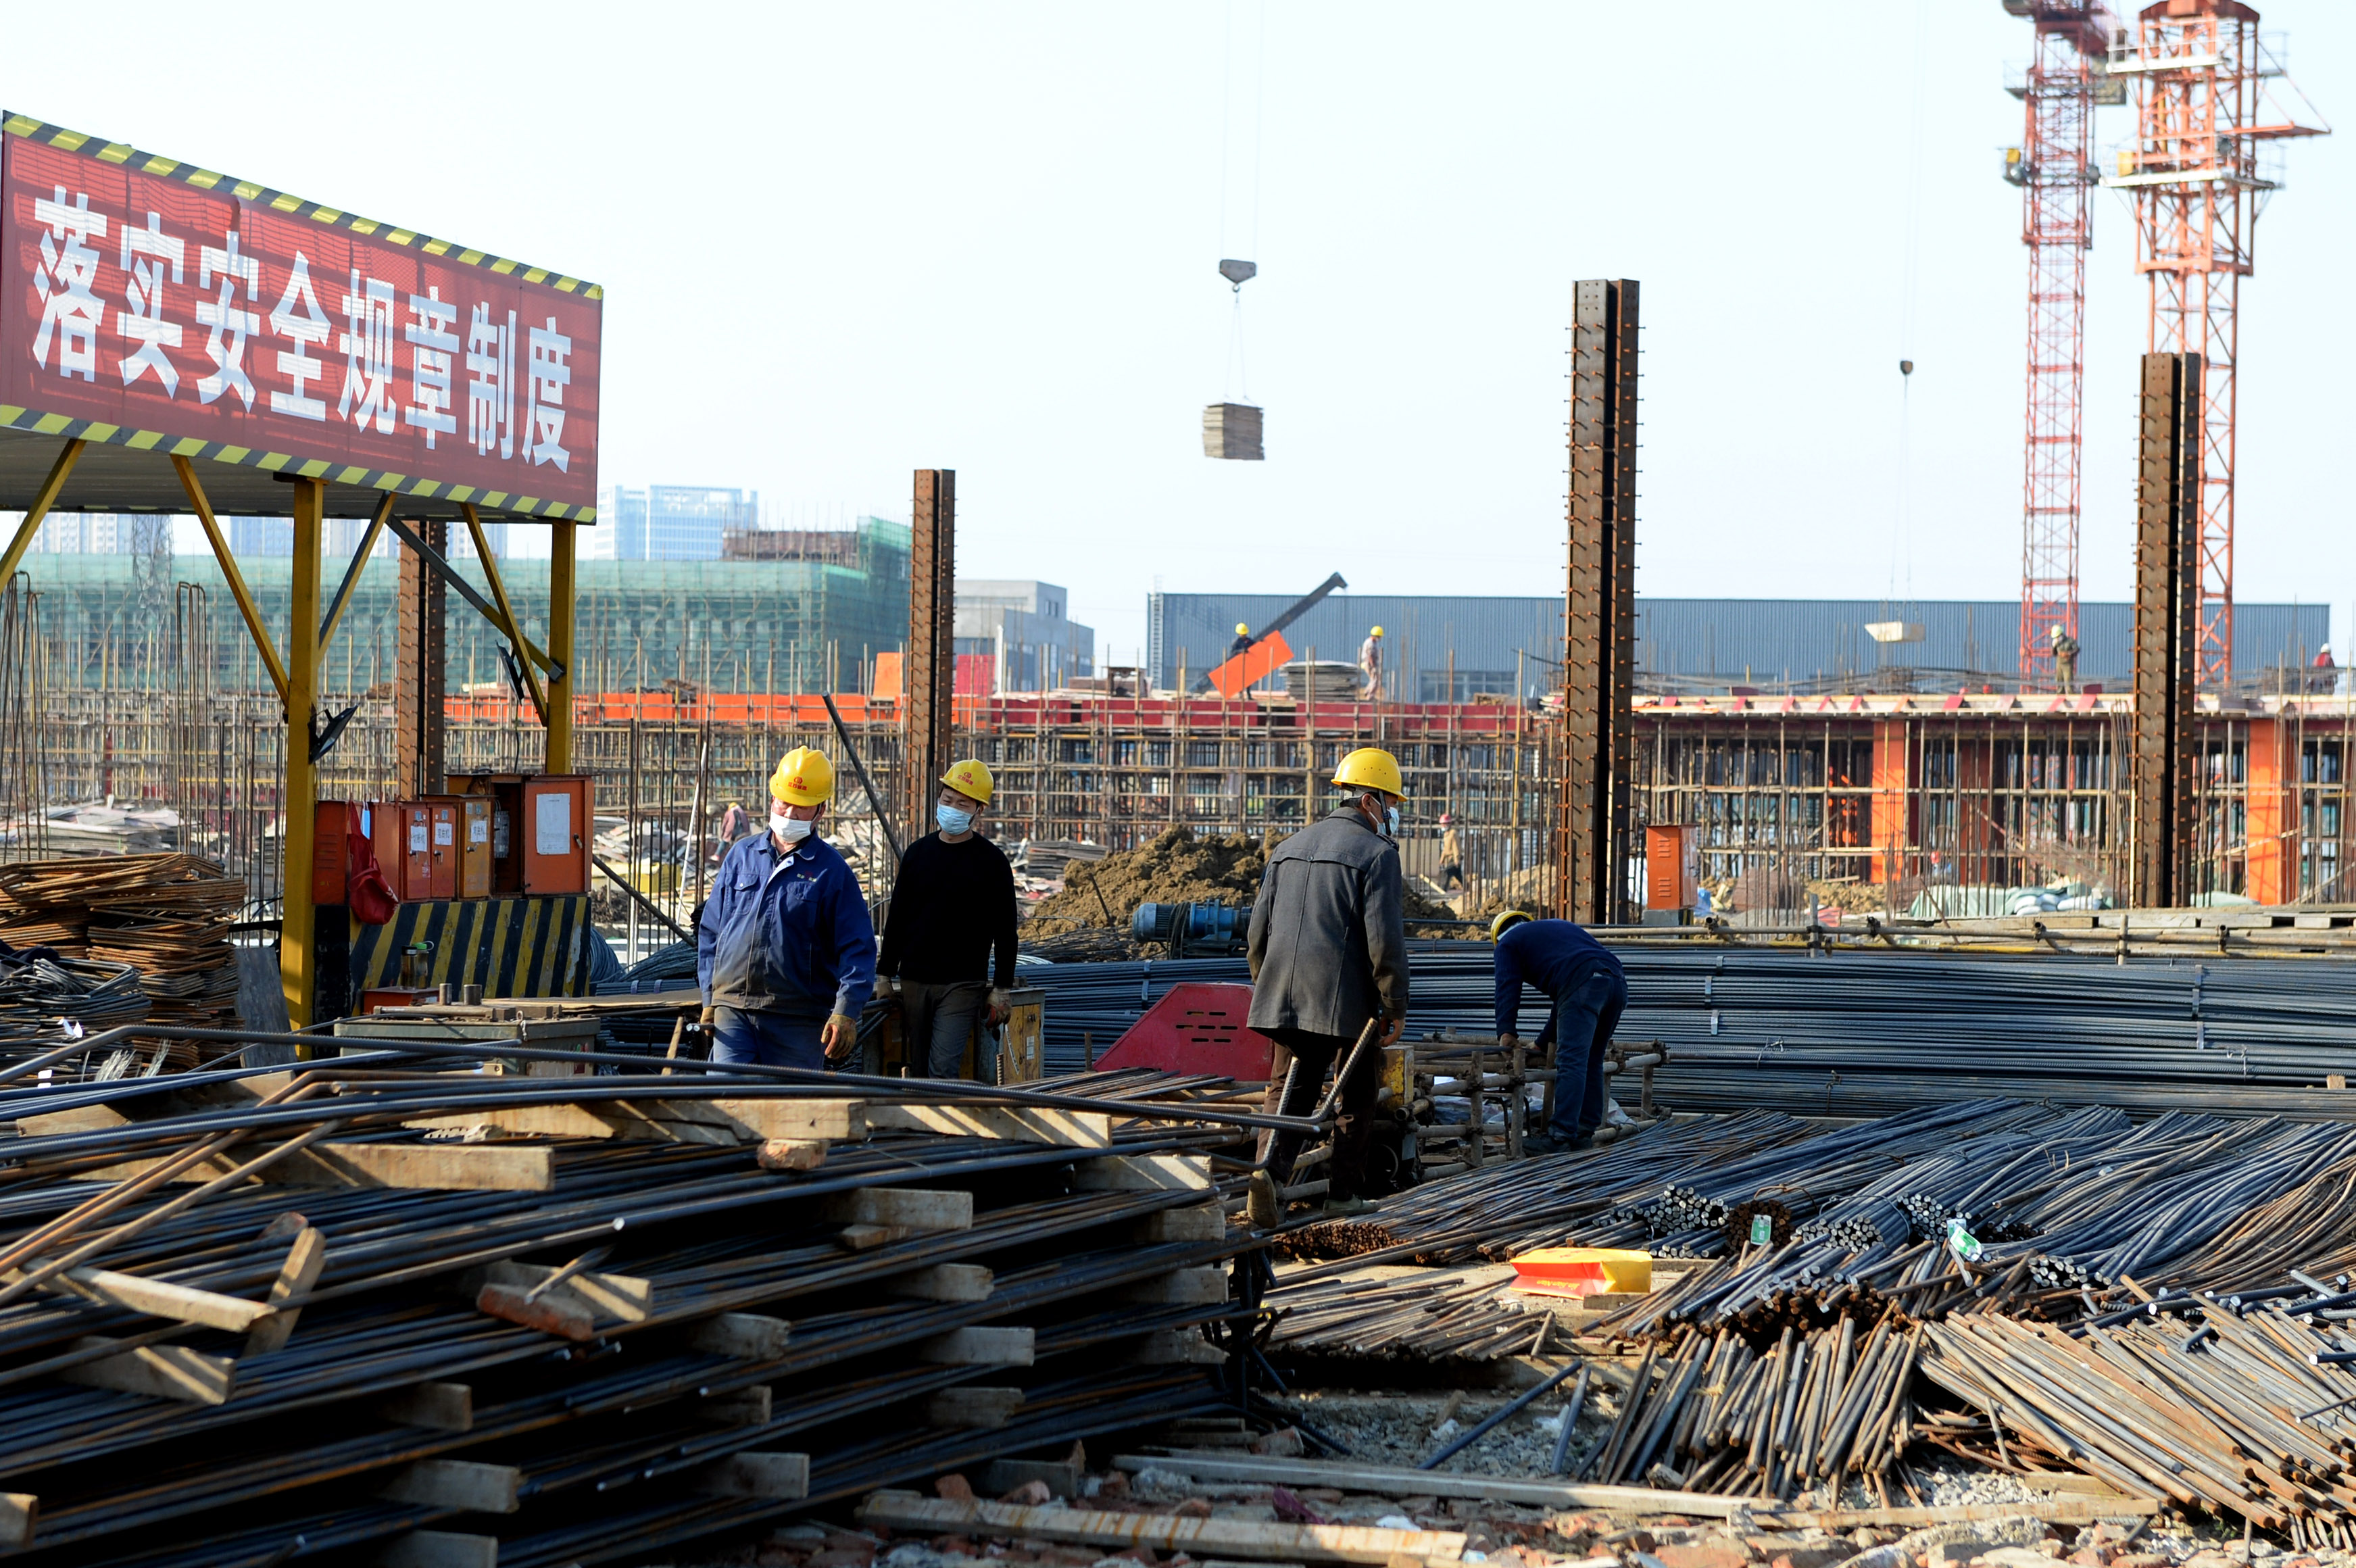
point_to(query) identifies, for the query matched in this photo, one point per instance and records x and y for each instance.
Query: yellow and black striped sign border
(509, 947)
(37, 422)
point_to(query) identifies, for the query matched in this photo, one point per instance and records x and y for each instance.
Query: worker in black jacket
(1328, 953)
(1583, 980)
(953, 903)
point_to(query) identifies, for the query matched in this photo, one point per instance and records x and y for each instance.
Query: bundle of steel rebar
(166, 916)
(1862, 1033)
(2247, 1414)
(47, 1000)
(197, 1347)
(1406, 1318)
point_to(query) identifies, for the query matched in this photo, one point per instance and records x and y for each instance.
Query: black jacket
(1328, 945)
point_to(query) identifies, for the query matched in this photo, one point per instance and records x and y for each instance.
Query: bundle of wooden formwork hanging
(380, 1302)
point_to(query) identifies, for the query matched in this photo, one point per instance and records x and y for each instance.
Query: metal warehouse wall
(1768, 639)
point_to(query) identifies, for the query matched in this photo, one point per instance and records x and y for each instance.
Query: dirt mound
(1175, 867)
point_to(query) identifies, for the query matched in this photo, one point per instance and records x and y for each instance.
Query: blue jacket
(785, 933)
(1553, 955)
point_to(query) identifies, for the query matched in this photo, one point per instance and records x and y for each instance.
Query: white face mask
(793, 829)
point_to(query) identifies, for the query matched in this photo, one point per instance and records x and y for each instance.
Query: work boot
(1342, 1208)
(1552, 1143)
(1261, 1205)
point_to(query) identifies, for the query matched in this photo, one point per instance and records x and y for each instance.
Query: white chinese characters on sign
(490, 382)
(430, 334)
(144, 253)
(366, 344)
(69, 265)
(228, 323)
(518, 373)
(549, 376)
(307, 330)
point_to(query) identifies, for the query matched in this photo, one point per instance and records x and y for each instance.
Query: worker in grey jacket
(1328, 952)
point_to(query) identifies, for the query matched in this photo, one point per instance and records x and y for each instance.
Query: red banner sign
(151, 297)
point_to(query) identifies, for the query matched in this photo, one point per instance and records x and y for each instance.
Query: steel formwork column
(422, 640)
(297, 962)
(1600, 621)
(2168, 596)
(562, 539)
(928, 680)
(2270, 810)
(1894, 780)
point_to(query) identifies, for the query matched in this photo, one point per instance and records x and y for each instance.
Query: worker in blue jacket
(1587, 989)
(786, 953)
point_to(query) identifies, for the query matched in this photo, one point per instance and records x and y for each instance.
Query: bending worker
(1587, 989)
(1328, 953)
(954, 902)
(785, 954)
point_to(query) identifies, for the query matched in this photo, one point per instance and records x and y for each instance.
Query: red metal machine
(1196, 1027)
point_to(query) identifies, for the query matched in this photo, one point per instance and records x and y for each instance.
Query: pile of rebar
(1406, 1318)
(166, 916)
(1862, 1033)
(246, 1318)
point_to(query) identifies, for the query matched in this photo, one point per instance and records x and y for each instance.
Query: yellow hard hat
(1371, 767)
(1505, 922)
(804, 778)
(973, 778)
(1379, 632)
(1242, 630)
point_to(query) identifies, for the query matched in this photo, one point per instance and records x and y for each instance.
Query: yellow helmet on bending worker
(804, 778)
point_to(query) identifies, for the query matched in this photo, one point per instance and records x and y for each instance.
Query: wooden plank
(617, 1298)
(540, 1122)
(1196, 1222)
(554, 1313)
(944, 1282)
(159, 1372)
(157, 1298)
(1177, 1347)
(913, 1208)
(779, 1477)
(437, 1407)
(1144, 1173)
(971, 1406)
(978, 1347)
(792, 1154)
(1060, 1477)
(1402, 1483)
(1200, 1537)
(738, 1407)
(1204, 1286)
(742, 1337)
(440, 1549)
(1075, 1129)
(840, 1120)
(867, 1237)
(425, 1168)
(79, 1119)
(306, 1256)
(20, 1512)
(456, 1484)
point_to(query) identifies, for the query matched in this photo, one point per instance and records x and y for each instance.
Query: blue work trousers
(766, 1039)
(1584, 1017)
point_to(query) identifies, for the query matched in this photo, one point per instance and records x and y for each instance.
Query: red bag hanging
(367, 894)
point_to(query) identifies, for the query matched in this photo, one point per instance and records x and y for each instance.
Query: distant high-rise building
(1022, 627)
(684, 522)
(259, 536)
(83, 534)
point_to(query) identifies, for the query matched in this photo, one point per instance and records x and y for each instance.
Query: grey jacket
(1328, 946)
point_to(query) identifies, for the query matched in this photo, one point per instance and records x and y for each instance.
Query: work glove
(711, 1016)
(1000, 1006)
(842, 1033)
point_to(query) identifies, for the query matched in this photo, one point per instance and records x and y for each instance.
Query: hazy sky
(840, 242)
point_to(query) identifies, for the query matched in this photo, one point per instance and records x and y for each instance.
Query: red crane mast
(2208, 107)
(2055, 170)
